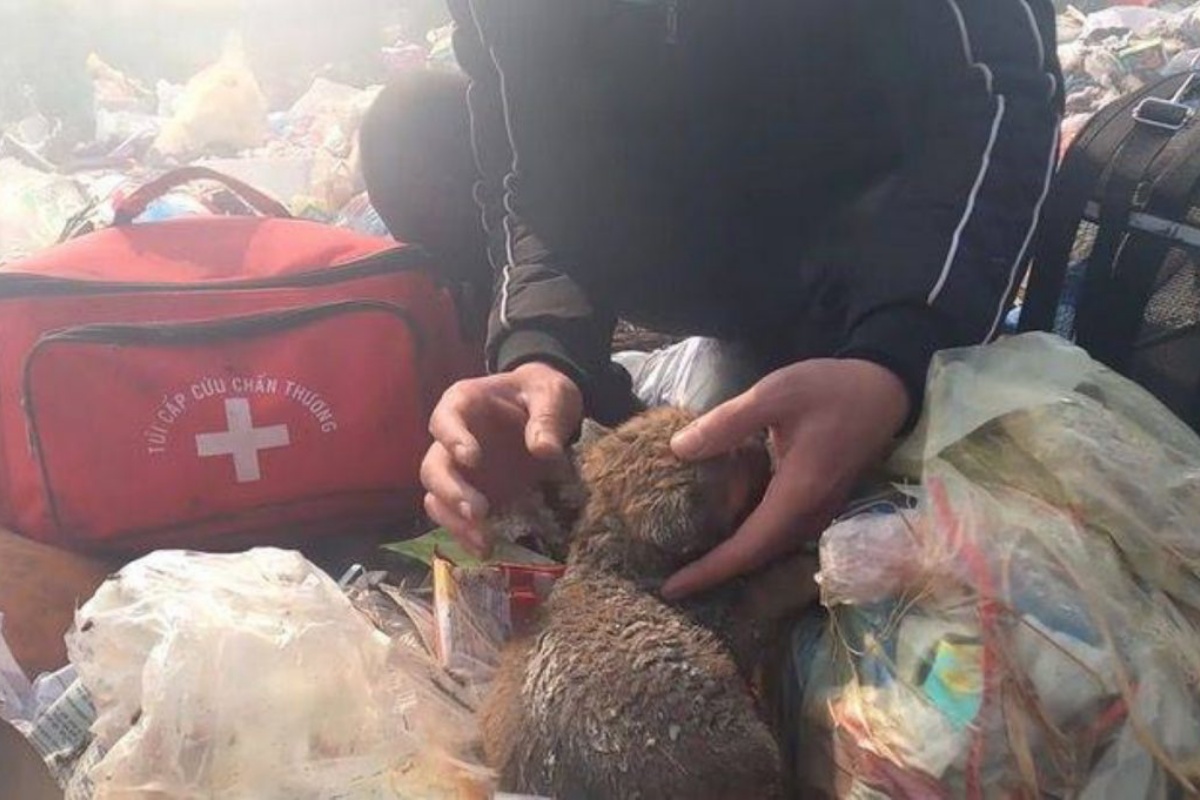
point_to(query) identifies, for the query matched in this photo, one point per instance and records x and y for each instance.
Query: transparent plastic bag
(34, 208)
(1043, 639)
(242, 676)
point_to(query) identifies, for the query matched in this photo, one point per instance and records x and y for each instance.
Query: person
(836, 188)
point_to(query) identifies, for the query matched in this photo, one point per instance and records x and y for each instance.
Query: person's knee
(418, 163)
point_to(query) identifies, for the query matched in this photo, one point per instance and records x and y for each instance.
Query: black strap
(1061, 215)
(1078, 177)
(1100, 300)
(1137, 271)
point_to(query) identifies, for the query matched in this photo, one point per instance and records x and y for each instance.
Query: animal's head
(653, 512)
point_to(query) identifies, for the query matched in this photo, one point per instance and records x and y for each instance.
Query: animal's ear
(685, 519)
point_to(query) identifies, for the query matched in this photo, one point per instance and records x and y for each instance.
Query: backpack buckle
(1164, 114)
(1171, 115)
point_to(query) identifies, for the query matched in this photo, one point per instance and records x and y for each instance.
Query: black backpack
(1116, 267)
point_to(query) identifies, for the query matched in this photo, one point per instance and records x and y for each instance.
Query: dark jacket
(857, 178)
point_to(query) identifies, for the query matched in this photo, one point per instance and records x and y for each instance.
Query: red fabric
(202, 250)
(117, 383)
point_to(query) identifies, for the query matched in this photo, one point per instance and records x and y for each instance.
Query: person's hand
(493, 438)
(829, 420)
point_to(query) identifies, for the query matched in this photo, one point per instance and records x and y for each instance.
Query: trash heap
(1023, 624)
(1112, 51)
(304, 153)
(256, 676)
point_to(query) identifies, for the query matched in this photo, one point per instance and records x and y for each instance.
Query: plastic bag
(245, 676)
(1044, 638)
(1137, 20)
(359, 215)
(34, 208)
(325, 122)
(221, 108)
(16, 692)
(697, 373)
(115, 91)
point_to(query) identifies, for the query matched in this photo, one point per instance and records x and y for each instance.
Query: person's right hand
(493, 438)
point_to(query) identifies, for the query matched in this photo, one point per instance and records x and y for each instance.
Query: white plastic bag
(697, 373)
(243, 676)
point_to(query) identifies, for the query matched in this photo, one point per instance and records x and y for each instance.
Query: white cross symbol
(243, 441)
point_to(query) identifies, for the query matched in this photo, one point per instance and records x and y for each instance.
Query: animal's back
(618, 697)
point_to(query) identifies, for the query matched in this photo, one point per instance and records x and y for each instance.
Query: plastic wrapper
(404, 57)
(1120, 19)
(16, 693)
(870, 557)
(359, 215)
(115, 91)
(478, 605)
(1185, 61)
(441, 47)
(34, 208)
(1043, 640)
(125, 133)
(324, 123)
(328, 115)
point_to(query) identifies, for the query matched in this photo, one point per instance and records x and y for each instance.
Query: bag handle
(136, 203)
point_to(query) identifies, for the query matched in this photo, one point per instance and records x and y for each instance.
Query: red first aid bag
(217, 382)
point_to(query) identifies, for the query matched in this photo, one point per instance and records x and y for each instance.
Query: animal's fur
(618, 695)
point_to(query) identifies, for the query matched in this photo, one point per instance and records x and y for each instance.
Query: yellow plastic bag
(222, 109)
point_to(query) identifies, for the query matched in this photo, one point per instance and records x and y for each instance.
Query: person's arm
(977, 88)
(534, 138)
(978, 96)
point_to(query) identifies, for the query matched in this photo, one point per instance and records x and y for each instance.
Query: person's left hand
(829, 420)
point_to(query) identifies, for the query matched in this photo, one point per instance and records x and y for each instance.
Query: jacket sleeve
(976, 89)
(530, 121)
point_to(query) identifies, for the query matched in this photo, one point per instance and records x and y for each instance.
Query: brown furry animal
(618, 695)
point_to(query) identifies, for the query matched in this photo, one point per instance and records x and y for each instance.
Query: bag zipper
(212, 330)
(401, 259)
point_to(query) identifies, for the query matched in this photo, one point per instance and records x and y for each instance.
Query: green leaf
(441, 543)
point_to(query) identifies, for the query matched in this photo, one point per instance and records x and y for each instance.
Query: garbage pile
(1112, 51)
(255, 676)
(1023, 624)
(305, 153)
